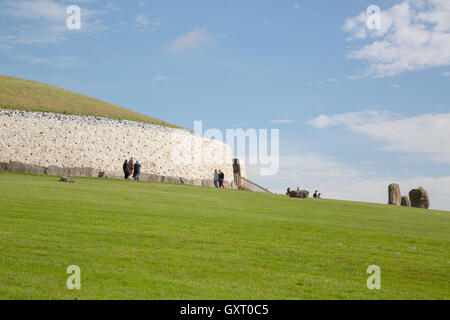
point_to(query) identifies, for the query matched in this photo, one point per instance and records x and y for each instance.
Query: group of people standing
(317, 195)
(219, 179)
(131, 169)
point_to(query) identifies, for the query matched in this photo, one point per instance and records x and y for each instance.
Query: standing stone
(419, 198)
(395, 197)
(406, 202)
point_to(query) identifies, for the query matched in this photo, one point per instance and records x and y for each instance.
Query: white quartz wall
(67, 141)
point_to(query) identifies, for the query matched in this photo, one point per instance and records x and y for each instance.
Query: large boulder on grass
(419, 198)
(406, 202)
(302, 194)
(395, 197)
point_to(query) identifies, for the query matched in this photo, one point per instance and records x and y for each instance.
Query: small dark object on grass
(68, 180)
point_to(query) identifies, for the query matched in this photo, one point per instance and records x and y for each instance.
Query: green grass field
(27, 95)
(162, 241)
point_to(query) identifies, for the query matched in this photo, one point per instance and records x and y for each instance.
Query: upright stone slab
(419, 198)
(406, 202)
(395, 197)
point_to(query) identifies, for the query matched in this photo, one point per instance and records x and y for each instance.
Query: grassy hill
(162, 241)
(33, 96)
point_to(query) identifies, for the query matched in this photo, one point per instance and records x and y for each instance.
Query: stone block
(26, 168)
(394, 195)
(419, 198)
(56, 171)
(406, 202)
(150, 177)
(169, 179)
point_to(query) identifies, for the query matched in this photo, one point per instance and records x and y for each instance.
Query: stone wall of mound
(58, 143)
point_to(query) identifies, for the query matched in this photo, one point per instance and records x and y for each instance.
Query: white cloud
(355, 77)
(144, 22)
(282, 121)
(331, 80)
(336, 180)
(6, 48)
(296, 6)
(59, 62)
(304, 171)
(194, 39)
(44, 21)
(240, 125)
(427, 134)
(37, 10)
(111, 6)
(160, 78)
(395, 86)
(446, 74)
(414, 35)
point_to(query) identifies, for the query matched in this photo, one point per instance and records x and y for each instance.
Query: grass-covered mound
(162, 241)
(34, 96)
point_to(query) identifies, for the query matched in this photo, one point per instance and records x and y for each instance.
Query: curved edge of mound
(27, 95)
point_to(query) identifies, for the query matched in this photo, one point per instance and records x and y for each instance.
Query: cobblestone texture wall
(67, 141)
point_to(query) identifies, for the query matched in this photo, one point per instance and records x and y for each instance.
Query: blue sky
(359, 108)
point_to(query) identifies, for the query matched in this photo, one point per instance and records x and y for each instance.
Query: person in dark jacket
(137, 170)
(216, 178)
(126, 172)
(221, 179)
